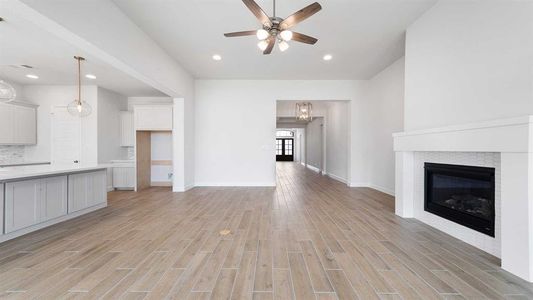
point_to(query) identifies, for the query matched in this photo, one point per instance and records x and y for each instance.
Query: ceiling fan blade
(302, 38)
(258, 12)
(300, 15)
(271, 42)
(240, 33)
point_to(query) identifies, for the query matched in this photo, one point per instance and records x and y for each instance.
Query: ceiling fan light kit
(276, 29)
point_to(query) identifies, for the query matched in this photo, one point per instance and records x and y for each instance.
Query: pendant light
(78, 107)
(7, 92)
(304, 111)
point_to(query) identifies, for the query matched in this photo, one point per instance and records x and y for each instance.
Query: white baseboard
(382, 189)
(373, 186)
(313, 168)
(338, 178)
(180, 189)
(236, 184)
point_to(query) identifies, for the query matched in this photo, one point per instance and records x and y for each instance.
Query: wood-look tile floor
(309, 238)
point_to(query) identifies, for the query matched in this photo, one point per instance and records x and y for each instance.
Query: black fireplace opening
(462, 194)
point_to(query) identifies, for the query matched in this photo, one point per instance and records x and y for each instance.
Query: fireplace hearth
(462, 194)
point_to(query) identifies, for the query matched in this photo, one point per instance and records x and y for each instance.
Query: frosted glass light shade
(286, 35)
(283, 46)
(79, 109)
(262, 34)
(7, 92)
(262, 45)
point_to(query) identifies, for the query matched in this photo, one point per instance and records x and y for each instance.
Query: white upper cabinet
(18, 124)
(127, 131)
(25, 125)
(153, 117)
(6, 124)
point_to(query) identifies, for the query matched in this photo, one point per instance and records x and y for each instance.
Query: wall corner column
(404, 185)
(517, 214)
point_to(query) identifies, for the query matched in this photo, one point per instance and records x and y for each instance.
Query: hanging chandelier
(7, 92)
(78, 107)
(304, 111)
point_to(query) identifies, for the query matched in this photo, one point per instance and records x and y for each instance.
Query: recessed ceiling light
(32, 76)
(217, 57)
(327, 57)
(90, 76)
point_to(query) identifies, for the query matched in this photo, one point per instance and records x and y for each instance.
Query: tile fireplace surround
(506, 145)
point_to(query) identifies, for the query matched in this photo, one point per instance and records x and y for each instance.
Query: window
(284, 133)
(279, 147)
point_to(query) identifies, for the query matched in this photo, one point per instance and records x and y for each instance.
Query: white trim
(236, 184)
(502, 135)
(372, 186)
(382, 189)
(313, 168)
(338, 178)
(23, 231)
(469, 126)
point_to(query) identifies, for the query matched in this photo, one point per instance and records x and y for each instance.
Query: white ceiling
(52, 59)
(364, 36)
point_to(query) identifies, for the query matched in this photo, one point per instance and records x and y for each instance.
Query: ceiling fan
(277, 29)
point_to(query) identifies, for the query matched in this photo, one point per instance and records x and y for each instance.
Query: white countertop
(18, 172)
(23, 163)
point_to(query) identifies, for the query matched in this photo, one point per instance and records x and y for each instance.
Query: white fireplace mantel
(513, 139)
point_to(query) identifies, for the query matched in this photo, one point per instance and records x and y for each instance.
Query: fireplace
(462, 194)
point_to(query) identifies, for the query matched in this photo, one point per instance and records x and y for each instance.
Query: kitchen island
(37, 196)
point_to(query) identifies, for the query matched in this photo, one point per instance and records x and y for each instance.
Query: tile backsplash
(131, 153)
(11, 154)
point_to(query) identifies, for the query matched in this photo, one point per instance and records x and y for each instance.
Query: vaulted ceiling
(363, 36)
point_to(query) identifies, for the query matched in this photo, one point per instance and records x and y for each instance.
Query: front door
(284, 149)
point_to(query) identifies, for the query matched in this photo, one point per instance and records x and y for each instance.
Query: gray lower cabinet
(22, 204)
(86, 190)
(54, 197)
(30, 202)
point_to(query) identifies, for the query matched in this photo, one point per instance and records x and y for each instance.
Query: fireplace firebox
(462, 194)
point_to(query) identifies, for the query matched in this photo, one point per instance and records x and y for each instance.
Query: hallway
(309, 237)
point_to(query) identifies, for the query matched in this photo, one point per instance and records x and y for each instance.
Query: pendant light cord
(79, 80)
(274, 10)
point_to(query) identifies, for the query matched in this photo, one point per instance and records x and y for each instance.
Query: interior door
(66, 136)
(284, 149)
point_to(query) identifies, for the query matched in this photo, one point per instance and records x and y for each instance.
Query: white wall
(110, 104)
(61, 95)
(337, 137)
(384, 98)
(229, 112)
(134, 53)
(147, 101)
(469, 61)
(314, 130)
